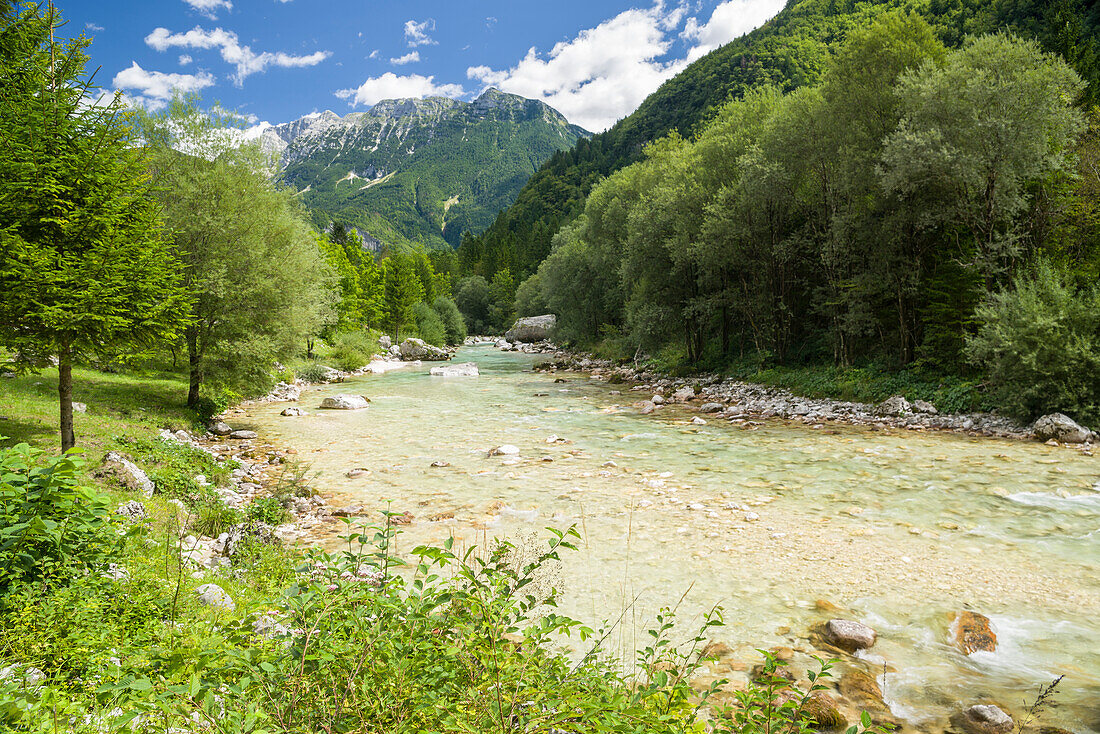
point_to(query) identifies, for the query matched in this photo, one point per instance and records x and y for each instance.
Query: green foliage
(1040, 344)
(177, 459)
(209, 514)
(215, 399)
(453, 323)
(259, 283)
(267, 510)
(404, 290)
(314, 372)
(473, 300)
(352, 350)
(529, 299)
(50, 526)
(84, 269)
(429, 326)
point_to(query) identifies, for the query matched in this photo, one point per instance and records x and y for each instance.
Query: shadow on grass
(20, 431)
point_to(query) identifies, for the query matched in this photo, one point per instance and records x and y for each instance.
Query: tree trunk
(65, 394)
(194, 358)
(309, 349)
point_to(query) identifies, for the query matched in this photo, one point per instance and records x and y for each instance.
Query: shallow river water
(898, 528)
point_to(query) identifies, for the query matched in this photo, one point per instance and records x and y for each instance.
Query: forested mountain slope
(419, 171)
(789, 52)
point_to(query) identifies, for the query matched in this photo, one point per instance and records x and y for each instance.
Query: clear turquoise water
(900, 528)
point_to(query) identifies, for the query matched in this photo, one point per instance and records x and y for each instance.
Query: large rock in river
(1061, 428)
(983, 720)
(894, 407)
(532, 328)
(417, 349)
(972, 633)
(849, 635)
(345, 402)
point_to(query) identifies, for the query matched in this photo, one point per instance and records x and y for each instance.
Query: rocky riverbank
(746, 404)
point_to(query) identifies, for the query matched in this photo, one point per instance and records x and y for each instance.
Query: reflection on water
(901, 528)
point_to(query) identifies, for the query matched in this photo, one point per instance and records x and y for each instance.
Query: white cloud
(416, 34)
(409, 58)
(153, 89)
(373, 54)
(208, 7)
(392, 86)
(245, 60)
(90, 26)
(185, 59)
(731, 19)
(605, 72)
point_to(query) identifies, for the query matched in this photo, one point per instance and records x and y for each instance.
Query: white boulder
(532, 328)
(1060, 427)
(345, 402)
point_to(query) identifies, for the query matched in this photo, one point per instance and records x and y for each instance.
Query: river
(773, 522)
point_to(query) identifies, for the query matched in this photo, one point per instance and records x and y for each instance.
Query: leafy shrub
(283, 374)
(177, 463)
(529, 298)
(314, 372)
(210, 516)
(49, 525)
(266, 510)
(352, 350)
(453, 323)
(429, 326)
(1040, 344)
(215, 400)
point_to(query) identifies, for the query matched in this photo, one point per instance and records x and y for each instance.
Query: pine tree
(403, 292)
(83, 267)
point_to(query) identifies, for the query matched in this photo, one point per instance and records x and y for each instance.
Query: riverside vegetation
(148, 255)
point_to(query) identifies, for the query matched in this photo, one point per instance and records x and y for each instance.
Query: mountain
(789, 51)
(419, 171)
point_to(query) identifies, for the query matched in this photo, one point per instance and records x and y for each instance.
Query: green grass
(119, 406)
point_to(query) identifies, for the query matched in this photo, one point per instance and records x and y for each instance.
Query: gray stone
(1061, 428)
(132, 511)
(385, 342)
(986, 719)
(213, 595)
(244, 435)
(417, 349)
(345, 402)
(849, 635)
(293, 412)
(219, 428)
(648, 407)
(923, 406)
(79, 407)
(532, 328)
(504, 450)
(28, 676)
(684, 394)
(698, 421)
(466, 369)
(128, 473)
(245, 533)
(893, 407)
(711, 407)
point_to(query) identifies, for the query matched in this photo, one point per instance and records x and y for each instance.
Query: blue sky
(277, 60)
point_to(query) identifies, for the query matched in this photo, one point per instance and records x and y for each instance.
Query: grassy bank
(107, 624)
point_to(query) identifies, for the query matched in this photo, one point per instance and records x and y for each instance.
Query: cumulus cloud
(392, 86)
(153, 89)
(209, 7)
(185, 59)
(729, 20)
(409, 58)
(605, 72)
(246, 61)
(416, 34)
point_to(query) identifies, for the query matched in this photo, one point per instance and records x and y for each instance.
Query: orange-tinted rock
(861, 689)
(973, 633)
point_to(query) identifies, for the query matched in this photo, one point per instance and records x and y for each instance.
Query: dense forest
(790, 51)
(885, 187)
